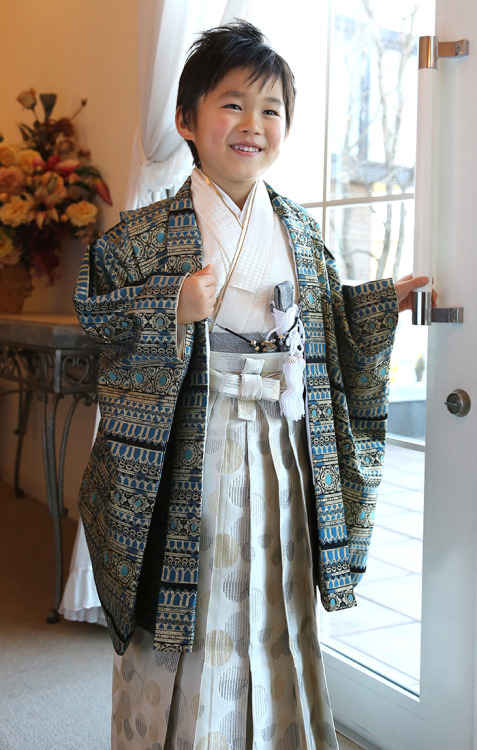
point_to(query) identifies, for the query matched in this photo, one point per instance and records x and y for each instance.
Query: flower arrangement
(47, 190)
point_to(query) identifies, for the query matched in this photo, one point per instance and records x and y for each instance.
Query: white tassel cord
(291, 400)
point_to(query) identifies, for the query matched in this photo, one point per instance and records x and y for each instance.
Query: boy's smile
(238, 131)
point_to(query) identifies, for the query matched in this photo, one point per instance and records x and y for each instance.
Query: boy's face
(238, 131)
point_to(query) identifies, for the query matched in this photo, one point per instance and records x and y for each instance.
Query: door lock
(458, 403)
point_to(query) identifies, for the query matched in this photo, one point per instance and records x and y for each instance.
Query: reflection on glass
(383, 633)
(372, 241)
(372, 99)
(299, 31)
(407, 397)
(375, 241)
(353, 144)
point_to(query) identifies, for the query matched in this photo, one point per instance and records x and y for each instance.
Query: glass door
(362, 193)
(401, 666)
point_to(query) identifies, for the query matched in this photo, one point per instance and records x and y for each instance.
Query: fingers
(197, 297)
(423, 280)
(410, 283)
(208, 270)
(418, 281)
(404, 278)
(202, 271)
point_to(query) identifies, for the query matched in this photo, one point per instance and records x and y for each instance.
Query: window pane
(298, 30)
(372, 108)
(407, 397)
(369, 105)
(383, 633)
(317, 214)
(372, 241)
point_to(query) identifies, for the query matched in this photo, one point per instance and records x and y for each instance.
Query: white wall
(77, 49)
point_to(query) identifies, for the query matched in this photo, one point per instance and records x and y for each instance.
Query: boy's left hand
(406, 286)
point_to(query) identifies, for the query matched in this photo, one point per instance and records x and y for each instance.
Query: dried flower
(27, 99)
(7, 155)
(48, 101)
(47, 190)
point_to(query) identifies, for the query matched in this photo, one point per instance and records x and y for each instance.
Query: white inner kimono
(255, 677)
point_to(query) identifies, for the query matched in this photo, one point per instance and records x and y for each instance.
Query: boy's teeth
(246, 148)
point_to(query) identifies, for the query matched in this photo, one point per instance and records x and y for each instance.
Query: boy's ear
(182, 125)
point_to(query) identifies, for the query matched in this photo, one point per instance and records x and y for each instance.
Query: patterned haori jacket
(149, 449)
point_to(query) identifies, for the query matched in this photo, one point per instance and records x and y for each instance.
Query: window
(350, 161)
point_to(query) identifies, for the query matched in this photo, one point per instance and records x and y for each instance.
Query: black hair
(238, 44)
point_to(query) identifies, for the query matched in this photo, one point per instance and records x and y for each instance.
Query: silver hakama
(255, 676)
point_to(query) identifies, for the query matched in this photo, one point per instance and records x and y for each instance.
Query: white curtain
(161, 159)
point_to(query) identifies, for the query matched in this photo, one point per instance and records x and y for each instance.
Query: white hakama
(255, 677)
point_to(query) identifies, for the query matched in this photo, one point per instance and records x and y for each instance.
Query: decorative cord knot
(291, 335)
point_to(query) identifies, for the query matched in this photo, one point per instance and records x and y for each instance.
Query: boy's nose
(251, 123)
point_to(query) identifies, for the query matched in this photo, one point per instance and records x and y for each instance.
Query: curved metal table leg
(54, 475)
(52, 357)
(24, 403)
(55, 502)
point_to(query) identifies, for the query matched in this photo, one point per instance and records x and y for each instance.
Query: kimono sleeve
(117, 306)
(364, 319)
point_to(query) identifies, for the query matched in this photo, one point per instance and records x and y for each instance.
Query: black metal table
(49, 355)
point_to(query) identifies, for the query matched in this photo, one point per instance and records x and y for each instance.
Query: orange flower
(29, 160)
(17, 211)
(82, 213)
(48, 188)
(8, 155)
(51, 189)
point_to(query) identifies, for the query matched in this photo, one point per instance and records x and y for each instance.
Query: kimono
(145, 474)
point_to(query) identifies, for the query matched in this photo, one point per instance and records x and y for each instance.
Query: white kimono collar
(220, 232)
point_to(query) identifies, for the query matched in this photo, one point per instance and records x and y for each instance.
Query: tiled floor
(383, 631)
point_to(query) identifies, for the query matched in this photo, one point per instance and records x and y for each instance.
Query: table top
(55, 331)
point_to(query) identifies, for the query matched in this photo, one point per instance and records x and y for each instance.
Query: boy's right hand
(197, 297)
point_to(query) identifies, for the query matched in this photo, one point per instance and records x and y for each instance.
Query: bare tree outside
(378, 65)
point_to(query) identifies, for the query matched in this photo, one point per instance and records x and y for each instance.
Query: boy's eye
(271, 112)
(232, 106)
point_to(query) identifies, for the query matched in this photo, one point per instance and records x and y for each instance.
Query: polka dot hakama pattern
(255, 677)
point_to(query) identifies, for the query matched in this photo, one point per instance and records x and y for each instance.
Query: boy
(211, 508)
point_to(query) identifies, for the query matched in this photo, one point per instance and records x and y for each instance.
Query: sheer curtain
(161, 159)
(160, 163)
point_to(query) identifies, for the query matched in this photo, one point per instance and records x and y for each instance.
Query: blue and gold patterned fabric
(146, 466)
